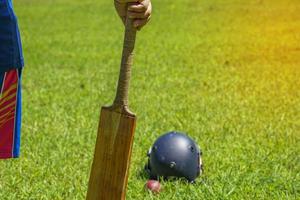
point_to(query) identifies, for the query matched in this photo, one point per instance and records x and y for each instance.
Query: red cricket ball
(153, 185)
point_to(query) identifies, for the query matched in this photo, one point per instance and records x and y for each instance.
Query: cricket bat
(109, 173)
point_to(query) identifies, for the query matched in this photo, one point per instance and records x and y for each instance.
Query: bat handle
(121, 99)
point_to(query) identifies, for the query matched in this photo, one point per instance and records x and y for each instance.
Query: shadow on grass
(143, 175)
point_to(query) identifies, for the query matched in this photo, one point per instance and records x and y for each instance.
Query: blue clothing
(11, 56)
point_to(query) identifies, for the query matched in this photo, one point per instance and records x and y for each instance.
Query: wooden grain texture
(109, 174)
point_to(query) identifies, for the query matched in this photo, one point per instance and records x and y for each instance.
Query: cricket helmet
(174, 154)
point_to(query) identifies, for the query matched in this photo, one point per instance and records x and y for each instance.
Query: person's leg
(10, 113)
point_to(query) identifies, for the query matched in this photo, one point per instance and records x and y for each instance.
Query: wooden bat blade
(109, 174)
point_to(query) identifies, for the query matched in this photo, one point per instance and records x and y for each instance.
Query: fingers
(140, 13)
(139, 23)
(135, 15)
(138, 10)
(139, 7)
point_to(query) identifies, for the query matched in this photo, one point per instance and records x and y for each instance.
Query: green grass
(225, 72)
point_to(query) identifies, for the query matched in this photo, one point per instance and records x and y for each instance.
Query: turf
(225, 72)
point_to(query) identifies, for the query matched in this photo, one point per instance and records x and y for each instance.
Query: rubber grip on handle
(126, 63)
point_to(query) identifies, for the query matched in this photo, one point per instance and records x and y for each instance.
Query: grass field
(225, 72)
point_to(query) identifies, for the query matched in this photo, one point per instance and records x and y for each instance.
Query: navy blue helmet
(174, 154)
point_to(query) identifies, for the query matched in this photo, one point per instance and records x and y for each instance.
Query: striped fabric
(10, 113)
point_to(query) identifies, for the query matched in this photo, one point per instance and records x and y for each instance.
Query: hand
(138, 10)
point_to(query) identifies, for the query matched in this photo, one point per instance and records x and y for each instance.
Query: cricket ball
(154, 186)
